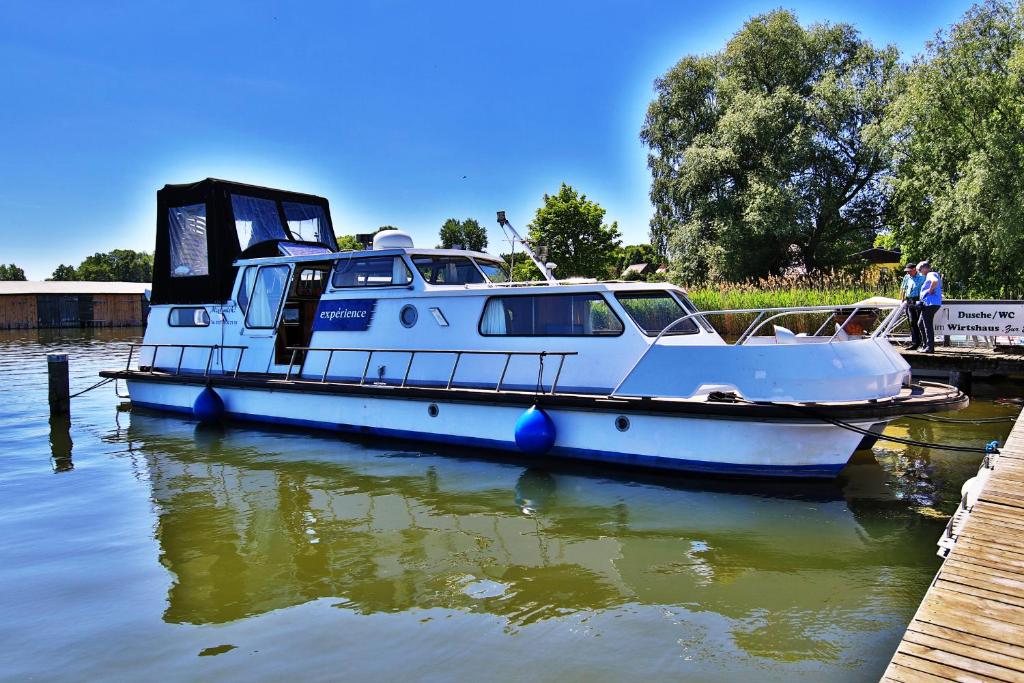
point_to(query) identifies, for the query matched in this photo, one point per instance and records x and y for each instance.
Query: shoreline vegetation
(839, 289)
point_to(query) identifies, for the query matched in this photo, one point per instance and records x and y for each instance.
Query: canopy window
(256, 220)
(188, 243)
(308, 223)
(552, 315)
(448, 270)
(654, 311)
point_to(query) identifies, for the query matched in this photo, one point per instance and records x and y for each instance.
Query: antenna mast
(546, 269)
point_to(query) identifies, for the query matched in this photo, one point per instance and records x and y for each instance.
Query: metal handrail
(458, 353)
(749, 332)
(181, 354)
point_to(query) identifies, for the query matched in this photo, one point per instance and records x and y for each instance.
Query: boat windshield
(654, 311)
(448, 270)
(495, 272)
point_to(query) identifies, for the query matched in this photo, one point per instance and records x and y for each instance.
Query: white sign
(981, 319)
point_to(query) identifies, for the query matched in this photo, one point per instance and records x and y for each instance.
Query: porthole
(408, 315)
(622, 423)
(432, 410)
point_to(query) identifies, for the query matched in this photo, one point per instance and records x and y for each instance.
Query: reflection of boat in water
(252, 521)
(256, 314)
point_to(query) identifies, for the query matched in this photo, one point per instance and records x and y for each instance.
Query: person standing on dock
(910, 291)
(931, 301)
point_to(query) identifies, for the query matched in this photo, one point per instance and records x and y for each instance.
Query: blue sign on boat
(344, 315)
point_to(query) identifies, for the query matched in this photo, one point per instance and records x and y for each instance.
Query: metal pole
(60, 385)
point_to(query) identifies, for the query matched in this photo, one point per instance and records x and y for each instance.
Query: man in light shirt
(910, 291)
(931, 301)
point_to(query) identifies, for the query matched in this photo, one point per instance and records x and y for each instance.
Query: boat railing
(887, 324)
(458, 353)
(152, 367)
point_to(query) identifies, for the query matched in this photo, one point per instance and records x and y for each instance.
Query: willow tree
(770, 153)
(959, 190)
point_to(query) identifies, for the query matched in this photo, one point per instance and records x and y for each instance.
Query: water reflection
(61, 443)
(252, 521)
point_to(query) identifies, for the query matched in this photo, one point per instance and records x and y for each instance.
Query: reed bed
(780, 292)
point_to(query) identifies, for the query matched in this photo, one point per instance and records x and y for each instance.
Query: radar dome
(392, 239)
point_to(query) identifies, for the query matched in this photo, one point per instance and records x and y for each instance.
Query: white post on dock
(60, 385)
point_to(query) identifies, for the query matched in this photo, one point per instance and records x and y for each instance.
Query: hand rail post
(843, 326)
(451, 377)
(558, 373)
(501, 380)
(209, 360)
(330, 357)
(750, 327)
(238, 363)
(366, 368)
(408, 368)
(131, 351)
(181, 355)
(152, 361)
(291, 362)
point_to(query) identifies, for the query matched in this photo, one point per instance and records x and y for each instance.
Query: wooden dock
(970, 625)
(959, 365)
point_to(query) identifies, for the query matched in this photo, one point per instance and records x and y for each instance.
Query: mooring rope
(988, 449)
(967, 421)
(94, 386)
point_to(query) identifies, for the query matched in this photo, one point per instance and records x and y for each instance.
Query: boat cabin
(256, 273)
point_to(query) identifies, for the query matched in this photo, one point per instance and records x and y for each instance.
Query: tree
(958, 194)
(119, 265)
(11, 272)
(467, 234)
(64, 273)
(348, 242)
(572, 229)
(773, 143)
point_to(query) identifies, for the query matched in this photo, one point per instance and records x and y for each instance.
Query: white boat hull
(674, 442)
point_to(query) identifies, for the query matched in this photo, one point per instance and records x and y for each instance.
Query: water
(138, 546)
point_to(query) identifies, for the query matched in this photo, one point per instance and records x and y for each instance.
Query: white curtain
(494, 318)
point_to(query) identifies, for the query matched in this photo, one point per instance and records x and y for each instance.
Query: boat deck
(970, 626)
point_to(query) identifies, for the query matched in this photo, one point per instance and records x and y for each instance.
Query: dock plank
(970, 625)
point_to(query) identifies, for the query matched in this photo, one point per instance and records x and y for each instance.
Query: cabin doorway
(309, 280)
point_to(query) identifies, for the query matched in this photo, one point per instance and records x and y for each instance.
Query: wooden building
(72, 304)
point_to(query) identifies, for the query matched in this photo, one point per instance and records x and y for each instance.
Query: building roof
(640, 268)
(879, 255)
(12, 287)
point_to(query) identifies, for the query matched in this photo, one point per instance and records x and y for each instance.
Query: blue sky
(400, 113)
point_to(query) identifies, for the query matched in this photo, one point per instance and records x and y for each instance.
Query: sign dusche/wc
(981, 318)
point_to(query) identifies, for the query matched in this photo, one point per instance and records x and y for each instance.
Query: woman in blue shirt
(931, 301)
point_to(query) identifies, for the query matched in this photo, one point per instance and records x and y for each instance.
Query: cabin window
(494, 271)
(549, 315)
(188, 240)
(271, 283)
(308, 223)
(188, 317)
(245, 287)
(256, 220)
(447, 270)
(375, 271)
(654, 311)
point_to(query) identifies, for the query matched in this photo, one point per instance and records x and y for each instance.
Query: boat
(257, 315)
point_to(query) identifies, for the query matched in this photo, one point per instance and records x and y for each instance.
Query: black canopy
(203, 227)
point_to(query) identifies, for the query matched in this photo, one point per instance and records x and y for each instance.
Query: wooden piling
(60, 384)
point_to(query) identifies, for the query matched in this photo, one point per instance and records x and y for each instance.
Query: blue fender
(535, 431)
